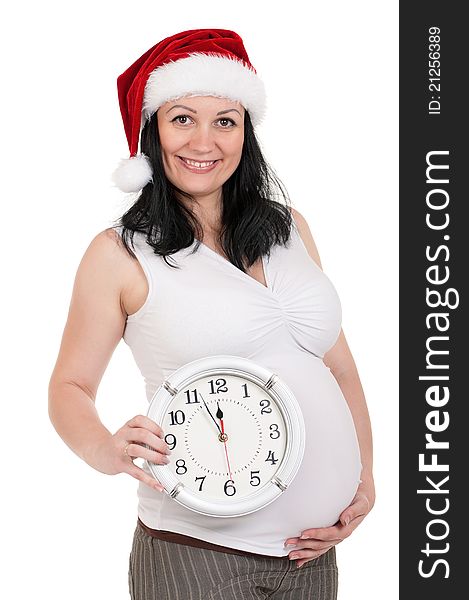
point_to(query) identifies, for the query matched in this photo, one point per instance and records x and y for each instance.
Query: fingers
(354, 524)
(140, 474)
(307, 553)
(335, 534)
(316, 541)
(146, 423)
(310, 556)
(331, 534)
(360, 506)
(340, 530)
(312, 544)
(143, 436)
(144, 439)
(134, 451)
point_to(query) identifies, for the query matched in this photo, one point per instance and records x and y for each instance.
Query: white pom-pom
(133, 173)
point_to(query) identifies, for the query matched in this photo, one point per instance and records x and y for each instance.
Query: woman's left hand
(314, 542)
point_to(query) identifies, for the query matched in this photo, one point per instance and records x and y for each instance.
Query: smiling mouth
(198, 164)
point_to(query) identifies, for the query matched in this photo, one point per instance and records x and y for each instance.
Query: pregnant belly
(324, 485)
(330, 472)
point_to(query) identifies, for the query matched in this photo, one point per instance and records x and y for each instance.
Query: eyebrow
(222, 112)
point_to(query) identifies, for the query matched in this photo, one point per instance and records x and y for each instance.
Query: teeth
(199, 165)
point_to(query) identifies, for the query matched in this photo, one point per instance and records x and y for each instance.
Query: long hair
(252, 220)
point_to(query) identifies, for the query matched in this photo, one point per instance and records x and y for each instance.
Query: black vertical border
(420, 133)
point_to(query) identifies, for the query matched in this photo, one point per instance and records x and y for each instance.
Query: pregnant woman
(206, 262)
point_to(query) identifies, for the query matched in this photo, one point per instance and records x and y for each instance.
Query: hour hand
(218, 426)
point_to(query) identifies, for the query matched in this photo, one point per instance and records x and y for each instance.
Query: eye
(233, 124)
(180, 117)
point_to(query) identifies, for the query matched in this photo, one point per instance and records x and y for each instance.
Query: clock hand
(222, 430)
(210, 413)
(220, 416)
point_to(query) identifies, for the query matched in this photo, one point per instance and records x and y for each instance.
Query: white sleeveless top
(208, 306)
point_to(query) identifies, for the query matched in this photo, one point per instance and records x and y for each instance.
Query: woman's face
(201, 129)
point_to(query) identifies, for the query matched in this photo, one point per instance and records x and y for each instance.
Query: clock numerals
(255, 479)
(274, 431)
(177, 417)
(202, 480)
(194, 394)
(221, 417)
(229, 488)
(180, 415)
(221, 386)
(170, 439)
(271, 458)
(265, 403)
(181, 468)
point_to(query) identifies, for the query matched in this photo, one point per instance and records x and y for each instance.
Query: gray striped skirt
(160, 570)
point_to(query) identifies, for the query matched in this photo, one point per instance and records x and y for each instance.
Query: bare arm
(94, 327)
(342, 365)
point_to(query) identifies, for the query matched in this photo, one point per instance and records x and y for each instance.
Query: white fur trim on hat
(133, 173)
(205, 75)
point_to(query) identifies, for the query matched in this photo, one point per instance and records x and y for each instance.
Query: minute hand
(210, 413)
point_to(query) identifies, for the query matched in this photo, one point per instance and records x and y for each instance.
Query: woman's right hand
(116, 453)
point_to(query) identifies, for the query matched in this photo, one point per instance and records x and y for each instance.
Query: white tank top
(208, 306)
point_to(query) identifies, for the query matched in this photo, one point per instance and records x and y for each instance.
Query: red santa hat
(198, 62)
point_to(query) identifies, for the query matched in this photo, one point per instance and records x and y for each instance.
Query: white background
(330, 70)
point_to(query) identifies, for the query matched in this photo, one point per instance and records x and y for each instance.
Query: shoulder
(108, 259)
(306, 235)
(107, 248)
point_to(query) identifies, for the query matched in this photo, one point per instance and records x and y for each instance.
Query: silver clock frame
(288, 406)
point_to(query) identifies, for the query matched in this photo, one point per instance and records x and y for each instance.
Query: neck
(207, 210)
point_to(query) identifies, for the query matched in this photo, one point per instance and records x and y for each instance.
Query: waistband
(186, 540)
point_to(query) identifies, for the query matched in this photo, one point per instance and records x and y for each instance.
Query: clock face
(236, 434)
(227, 436)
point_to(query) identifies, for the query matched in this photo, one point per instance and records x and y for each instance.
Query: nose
(202, 139)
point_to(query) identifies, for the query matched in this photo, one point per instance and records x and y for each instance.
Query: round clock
(236, 434)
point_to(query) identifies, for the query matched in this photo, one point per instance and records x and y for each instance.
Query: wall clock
(236, 434)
